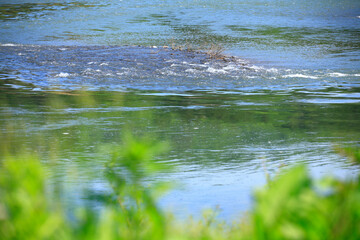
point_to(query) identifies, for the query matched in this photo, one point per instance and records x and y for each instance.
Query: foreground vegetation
(291, 206)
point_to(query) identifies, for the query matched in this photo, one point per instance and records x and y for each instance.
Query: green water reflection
(219, 140)
(76, 123)
(17, 11)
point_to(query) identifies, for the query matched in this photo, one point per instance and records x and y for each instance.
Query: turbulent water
(75, 74)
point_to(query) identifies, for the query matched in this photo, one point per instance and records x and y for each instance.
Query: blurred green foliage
(25, 211)
(351, 152)
(291, 206)
(294, 206)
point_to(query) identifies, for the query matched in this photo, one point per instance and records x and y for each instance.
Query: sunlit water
(75, 74)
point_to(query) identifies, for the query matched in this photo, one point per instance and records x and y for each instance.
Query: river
(74, 75)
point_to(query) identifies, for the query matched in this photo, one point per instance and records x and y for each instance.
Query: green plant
(131, 212)
(351, 152)
(293, 206)
(25, 211)
(127, 171)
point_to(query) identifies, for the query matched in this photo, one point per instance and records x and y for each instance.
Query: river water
(75, 74)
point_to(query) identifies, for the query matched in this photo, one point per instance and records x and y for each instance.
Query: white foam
(300, 76)
(88, 71)
(230, 68)
(170, 73)
(214, 70)
(197, 65)
(8, 45)
(263, 69)
(272, 70)
(191, 70)
(62, 74)
(337, 74)
(255, 68)
(126, 71)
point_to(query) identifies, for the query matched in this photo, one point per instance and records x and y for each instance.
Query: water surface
(74, 75)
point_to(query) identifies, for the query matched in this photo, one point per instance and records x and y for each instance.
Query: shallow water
(75, 74)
